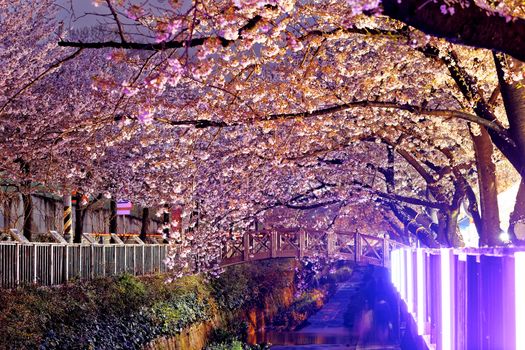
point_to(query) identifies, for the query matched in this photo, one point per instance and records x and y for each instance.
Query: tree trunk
(518, 214)
(418, 225)
(488, 191)
(79, 218)
(467, 85)
(442, 228)
(144, 228)
(390, 171)
(453, 234)
(452, 229)
(513, 96)
(113, 216)
(470, 25)
(27, 202)
(473, 208)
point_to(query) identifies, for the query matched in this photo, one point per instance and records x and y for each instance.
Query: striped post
(68, 217)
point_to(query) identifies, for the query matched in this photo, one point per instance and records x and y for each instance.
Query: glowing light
(402, 275)
(504, 237)
(446, 302)
(519, 279)
(420, 281)
(410, 281)
(395, 268)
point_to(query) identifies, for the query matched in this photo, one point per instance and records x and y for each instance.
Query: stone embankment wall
(280, 305)
(194, 337)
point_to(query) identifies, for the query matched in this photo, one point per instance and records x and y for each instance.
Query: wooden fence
(52, 263)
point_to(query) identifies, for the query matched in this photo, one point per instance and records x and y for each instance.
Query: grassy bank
(128, 312)
(107, 313)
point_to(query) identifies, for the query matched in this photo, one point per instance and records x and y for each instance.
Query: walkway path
(326, 329)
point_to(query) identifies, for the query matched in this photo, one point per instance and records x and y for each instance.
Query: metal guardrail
(51, 264)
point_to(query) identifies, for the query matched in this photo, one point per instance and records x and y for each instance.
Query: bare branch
(412, 200)
(203, 123)
(164, 45)
(38, 77)
(494, 96)
(117, 21)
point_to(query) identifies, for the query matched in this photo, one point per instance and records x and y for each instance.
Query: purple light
(402, 275)
(420, 281)
(519, 279)
(446, 302)
(409, 281)
(395, 267)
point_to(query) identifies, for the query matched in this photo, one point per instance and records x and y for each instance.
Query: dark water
(325, 329)
(300, 338)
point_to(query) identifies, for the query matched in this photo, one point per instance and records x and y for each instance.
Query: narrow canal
(346, 321)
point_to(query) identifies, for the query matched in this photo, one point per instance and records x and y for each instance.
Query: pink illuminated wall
(463, 299)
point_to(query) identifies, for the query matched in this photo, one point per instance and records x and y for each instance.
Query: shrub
(108, 313)
(127, 312)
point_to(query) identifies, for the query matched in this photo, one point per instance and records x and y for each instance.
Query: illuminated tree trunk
(473, 207)
(490, 224)
(468, 87)
(470, 25)
(453, 236)
(518, 214)
(404, 214)
(513, 96)
(442, 228)
(445, 220)
(408, 217)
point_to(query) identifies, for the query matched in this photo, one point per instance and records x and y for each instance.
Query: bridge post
(386, 251)
(302, 243)
(246, 243)
(357, 247)
(274, 244)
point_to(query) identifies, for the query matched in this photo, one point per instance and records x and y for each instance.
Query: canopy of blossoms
(384, 116)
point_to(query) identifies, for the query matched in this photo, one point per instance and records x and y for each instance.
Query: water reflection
(305, 338)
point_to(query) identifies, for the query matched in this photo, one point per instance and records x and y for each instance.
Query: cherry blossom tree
(243, 111)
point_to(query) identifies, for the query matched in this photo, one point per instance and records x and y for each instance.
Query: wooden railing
(23, 262)
(259, 245)
(56, 263)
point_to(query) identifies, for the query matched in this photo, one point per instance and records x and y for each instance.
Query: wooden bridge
(260, 245)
